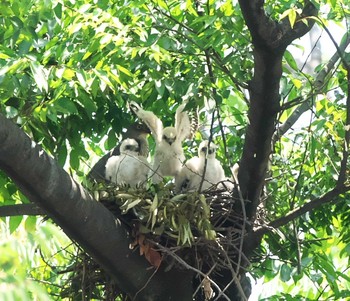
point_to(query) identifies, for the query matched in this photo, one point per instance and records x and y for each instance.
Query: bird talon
(134, 106)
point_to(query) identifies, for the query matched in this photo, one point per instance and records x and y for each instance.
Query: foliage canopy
(69, 68)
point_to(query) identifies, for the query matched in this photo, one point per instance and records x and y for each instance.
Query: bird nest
(198, 231)
(173, 225)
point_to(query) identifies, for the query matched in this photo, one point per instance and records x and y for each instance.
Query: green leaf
(15, 221)
(74, 159)
(74, 28)
(24, 47)
(30, 223)
(13, 67)
(345, 251)
(285, 272)
(292, 17)
(65, 105)
(87, 103)
(39, 76)
(84, 8)
(130, 204)
(154, 203)
(17, 22)
(124, 70)
(160, 87)
(285, 13)
(333, 3)
(62, 154)
(58, 11)
(290, 60)
(4, 56)
(111, 142)
(271, 268)
(189, 6)
(68, 74)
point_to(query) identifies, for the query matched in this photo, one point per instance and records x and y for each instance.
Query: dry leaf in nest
(208, 291)
(152, 256)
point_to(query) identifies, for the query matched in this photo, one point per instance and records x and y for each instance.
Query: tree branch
(270, 40)
(344, 162)
(300, 28)
(84, 220)
(21, 209)
(215, 56)
(269, 34)
(319, 84)
(312, 205)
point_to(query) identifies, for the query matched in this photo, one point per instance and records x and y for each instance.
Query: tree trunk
(270, 39)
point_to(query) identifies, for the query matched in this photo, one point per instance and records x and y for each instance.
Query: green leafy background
(67, 71)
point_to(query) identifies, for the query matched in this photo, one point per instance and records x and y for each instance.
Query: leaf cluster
(181, 218)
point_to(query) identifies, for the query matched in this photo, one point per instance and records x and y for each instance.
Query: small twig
(312, 205)
(296, 189)
(142, 288)
(343, 165)
(83, 284)
(319, 83)
(44, 260)
(212, 80)
(223, 68)
(240, 251)
(339, 50)
(189, 267)
(199, 286)
(206, 159)
(170, 17)
(234, 276)
(327, 285)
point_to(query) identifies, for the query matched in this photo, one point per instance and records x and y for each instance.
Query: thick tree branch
(300, 28)
(270, 40)
(21, 209)
(269, 34)
(86, 221)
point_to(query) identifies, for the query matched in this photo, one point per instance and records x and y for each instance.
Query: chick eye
(139, 127)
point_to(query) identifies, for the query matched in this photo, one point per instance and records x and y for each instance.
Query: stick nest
(206, 223)
(198, 231)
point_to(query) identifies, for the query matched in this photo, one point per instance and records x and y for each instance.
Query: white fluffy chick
(137, 131)
(191, 175)
(129, 168)
(168, 156)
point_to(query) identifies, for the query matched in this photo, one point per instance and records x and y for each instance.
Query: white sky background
(325, 45)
